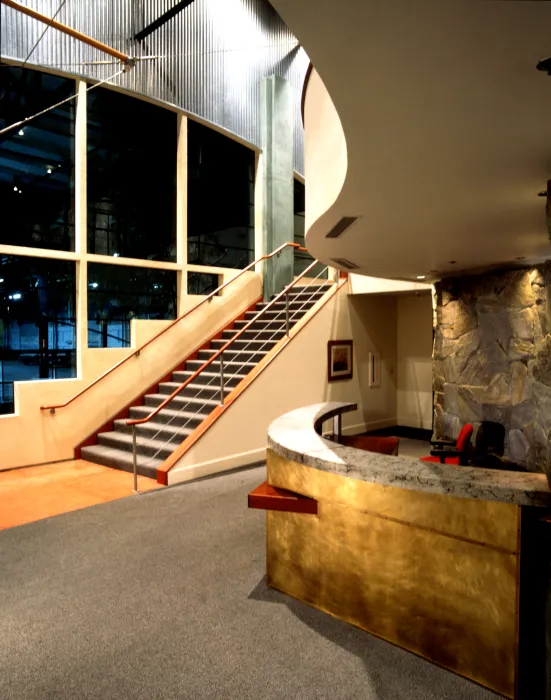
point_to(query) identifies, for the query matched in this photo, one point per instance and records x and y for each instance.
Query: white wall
(362, 284)
(298, 377)
(414, 348)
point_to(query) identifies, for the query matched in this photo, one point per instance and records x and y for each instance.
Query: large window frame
(80, 255)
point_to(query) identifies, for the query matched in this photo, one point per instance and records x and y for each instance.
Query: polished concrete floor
(34, 493)
(162, 597)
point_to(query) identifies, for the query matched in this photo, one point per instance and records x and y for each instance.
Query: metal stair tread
(154, 426)
(186, 399)
(206, 373)
(126, 438)
(226, 363)
(146, 410)
(195, 387)
(111, 456)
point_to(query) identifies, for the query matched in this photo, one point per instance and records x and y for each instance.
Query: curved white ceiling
(448, 129)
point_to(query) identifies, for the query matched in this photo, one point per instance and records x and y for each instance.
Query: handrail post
(337, 427)
(134, 459)
(287, 322)
(221, 378)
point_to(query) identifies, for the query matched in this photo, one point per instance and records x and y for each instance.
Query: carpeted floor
(162, 596)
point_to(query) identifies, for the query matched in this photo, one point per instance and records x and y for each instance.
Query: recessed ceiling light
(15, 189)
(421, 277)
(21, 132)
(453, 262)
(49, 171)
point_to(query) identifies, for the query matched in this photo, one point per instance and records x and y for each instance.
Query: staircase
(158, 438)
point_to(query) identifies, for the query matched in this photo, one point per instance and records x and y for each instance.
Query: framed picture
(339, 360)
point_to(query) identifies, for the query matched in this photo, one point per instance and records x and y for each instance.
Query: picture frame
(340, 359)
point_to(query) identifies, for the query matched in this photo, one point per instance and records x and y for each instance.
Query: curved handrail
(140, 421)
(52, 408)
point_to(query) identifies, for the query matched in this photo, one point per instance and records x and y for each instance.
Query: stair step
(196, 390)
(252, 335)
(274, 314)
(160, 449)
(279, 305)
(205, 378)
(190, 419)
(245, 344)
(230, 367)
(189, 404)
(249, 356)
(262, 324)
(156, 430)
(313, 291)
(119, 459)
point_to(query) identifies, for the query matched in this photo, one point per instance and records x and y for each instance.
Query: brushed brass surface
(487, 522)
(448, 599)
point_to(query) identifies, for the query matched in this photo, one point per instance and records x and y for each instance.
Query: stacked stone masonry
(492, 359)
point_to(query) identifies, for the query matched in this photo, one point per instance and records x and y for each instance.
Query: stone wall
(492, 358)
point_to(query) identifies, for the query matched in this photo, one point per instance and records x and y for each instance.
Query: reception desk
(450, 563)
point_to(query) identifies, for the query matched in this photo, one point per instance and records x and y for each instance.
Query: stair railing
(53, 407)
(288, 316)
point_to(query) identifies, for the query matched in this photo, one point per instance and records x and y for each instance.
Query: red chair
(452, 451)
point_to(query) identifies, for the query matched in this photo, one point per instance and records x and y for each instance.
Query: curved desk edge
(295, 436)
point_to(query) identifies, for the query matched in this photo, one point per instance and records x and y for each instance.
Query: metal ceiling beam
(163, 19)
(67, 30)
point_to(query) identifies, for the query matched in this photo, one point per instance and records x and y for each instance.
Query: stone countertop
(295, 436)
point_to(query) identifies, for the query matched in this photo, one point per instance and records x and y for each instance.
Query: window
(202, 283)
(131, 177)
(36, 160)
(117, 294)
(220, 199)
(37, 322)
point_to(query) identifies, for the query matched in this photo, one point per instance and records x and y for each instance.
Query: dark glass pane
(36, 160)
(202, 283)
(220, 199)
(118, 294)
(131, 177)
(37, 322)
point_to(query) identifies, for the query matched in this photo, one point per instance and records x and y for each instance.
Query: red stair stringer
(108, 426)
(202, 428)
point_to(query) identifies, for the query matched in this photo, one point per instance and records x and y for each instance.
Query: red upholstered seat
(371, 443)
(461, 446)
(447, 460)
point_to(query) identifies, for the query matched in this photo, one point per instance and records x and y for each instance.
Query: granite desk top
(297, 436)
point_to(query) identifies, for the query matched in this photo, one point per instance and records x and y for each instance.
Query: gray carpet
(162, 596)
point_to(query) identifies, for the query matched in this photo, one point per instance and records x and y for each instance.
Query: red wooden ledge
(267, 497)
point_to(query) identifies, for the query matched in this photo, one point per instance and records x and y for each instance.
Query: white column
(181, 214)
(81, 227)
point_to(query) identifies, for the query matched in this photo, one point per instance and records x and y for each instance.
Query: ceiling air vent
(340, 227)
(343, 262)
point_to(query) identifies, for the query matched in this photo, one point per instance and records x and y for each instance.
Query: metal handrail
(288, 316)
(52, 408)
(218, 353)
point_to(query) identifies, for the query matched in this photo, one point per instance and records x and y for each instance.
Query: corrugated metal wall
(209, 59)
